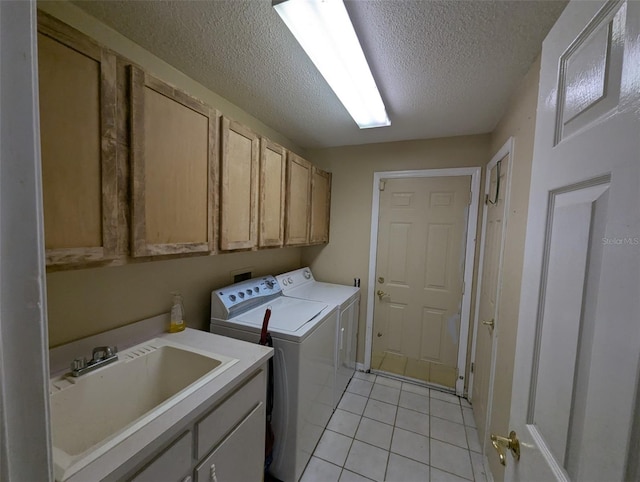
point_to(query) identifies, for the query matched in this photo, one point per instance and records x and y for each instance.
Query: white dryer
(301, 284)
(304, 333)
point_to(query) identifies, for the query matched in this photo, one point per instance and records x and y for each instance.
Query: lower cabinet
(224, 443)
(235, 460)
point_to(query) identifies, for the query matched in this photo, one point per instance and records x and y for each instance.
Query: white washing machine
(301, 284)
(304, 334)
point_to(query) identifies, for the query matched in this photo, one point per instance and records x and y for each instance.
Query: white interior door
(574, 402)
(488, 318)
(419, 277)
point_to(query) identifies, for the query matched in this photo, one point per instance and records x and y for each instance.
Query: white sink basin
(93, 412)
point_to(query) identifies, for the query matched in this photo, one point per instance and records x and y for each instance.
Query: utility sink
(93, 412)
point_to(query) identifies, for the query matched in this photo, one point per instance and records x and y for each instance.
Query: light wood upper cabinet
(298, 200)
(273, 168)
(320, 206)
(77, 83)
(174, 169)
(239, 187)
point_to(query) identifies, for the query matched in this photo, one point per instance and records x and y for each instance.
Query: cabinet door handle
(341, 338)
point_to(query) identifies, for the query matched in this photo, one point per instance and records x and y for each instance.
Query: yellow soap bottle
(177, 314)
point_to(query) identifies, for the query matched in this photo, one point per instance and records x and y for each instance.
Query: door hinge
(381, 185)
(472, 366)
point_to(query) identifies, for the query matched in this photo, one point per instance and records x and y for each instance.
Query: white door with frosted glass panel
(574, 402)
(419, 274)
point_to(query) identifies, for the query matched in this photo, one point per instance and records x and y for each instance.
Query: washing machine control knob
(249, 291)
(307, 274)
(290, 280)
(232, 297)
(257, 289)
(241, 294)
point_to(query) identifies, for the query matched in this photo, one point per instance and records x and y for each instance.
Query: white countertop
(151, 436)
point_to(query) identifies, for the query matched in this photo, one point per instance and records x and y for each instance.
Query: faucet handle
(78, 364)
(102, 352)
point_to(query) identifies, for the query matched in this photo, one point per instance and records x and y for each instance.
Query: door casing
(472, 223)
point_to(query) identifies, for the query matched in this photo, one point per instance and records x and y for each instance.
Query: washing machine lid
(288, 315)
(325, 292)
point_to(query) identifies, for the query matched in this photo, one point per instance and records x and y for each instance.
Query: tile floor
(388, 430)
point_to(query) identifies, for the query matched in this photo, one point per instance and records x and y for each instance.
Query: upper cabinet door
(320, 206)
(298, 201)
(77, 80)
(273, 168)
(238, 187)
(173, 153)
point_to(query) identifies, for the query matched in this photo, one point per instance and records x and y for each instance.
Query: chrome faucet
(100, 356)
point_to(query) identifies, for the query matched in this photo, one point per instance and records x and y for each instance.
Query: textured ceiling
(444, 68)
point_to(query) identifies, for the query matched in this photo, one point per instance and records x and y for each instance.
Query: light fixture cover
(324, 30)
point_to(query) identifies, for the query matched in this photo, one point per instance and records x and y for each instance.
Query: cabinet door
(273, 167)
(173, 139)
(240, 456)
(77, 83)
(320, 206)
(172, 464)
(239, 187)
(298, 200)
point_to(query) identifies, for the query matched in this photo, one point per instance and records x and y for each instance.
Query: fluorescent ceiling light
(324, 30)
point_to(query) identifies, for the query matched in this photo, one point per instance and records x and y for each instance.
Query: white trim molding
(472, 222)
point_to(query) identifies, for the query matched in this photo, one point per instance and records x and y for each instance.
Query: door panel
(486, 336)
(578, 348)
(420, 258)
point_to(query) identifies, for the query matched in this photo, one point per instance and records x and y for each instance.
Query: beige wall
(518, 121)
(347, 254)
(89, 301)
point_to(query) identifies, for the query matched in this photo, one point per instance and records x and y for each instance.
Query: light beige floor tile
(449, 432)
(446, 410)
(473, 440)
(389, 382)
(370, 377)
(352, 402)
(380, 411)
(367, 460)
(411, 445)
(445, 397)
(402, 469)
(375, 433)
(385, 394)
(438, 475)
(478, 467)
(333, 447)
(413, 388)
(469, 419)
(348, 476)
(413, 401)
(451, 459)
(413, 421)
(320, 471)
(360, 387)
(343, 422)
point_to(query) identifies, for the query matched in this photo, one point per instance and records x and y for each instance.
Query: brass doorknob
(500, 443)
(381, 294)
(490, 323)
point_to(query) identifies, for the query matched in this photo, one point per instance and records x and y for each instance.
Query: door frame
(25, 438)
(505, 151)
(472, 223)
